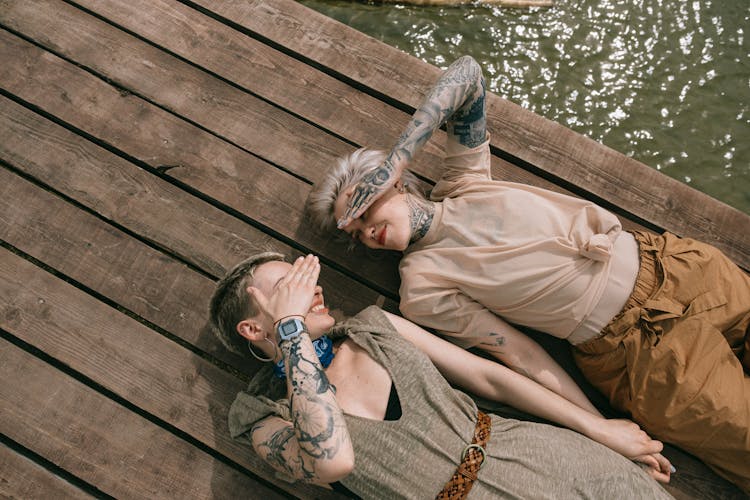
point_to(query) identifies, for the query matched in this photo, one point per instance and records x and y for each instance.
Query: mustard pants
(673, 358)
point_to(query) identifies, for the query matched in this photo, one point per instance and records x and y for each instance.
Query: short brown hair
(230, 302)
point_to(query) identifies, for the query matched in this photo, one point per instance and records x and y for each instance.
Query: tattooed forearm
(316, 443)
(456, 98)
(318, 421)
(281, 451)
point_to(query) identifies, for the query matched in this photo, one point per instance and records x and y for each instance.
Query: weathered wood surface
(26, 479)
(101, 442)
(147, 146)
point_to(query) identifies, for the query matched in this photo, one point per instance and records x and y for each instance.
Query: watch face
(288, 328)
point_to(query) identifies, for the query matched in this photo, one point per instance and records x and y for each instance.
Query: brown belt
(471, 461)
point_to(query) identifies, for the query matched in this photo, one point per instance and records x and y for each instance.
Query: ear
(251, 329)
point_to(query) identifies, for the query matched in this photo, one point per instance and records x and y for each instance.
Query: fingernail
(672, 469)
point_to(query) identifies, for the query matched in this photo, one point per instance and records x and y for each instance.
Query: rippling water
(666, 82)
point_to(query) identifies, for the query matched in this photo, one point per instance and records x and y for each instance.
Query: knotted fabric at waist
(640, 306)
(621, 281)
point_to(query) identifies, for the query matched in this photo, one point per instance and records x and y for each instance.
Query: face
(384, 225)
(317, 319)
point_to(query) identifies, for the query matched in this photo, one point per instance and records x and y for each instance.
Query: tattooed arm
(456, 98)
(315, 447)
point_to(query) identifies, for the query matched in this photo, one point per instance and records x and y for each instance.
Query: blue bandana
(323, 348)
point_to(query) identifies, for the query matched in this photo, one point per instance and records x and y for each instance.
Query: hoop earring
(250, 348)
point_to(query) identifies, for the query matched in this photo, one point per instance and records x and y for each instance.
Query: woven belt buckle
(476, 447)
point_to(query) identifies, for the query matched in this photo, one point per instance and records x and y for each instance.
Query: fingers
(657, 466)
(649, 460)
(300, 266)
(309, 268)
(361, 199)
(348, 217)
(664, 464)
(657, 475)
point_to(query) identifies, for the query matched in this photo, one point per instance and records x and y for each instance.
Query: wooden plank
(132, 64)
(541, 143)
(287, 82)
(24, 478)
(271, 74)
(206, 163)
(259, 68)
(119, 452)
(128, 272)
(127, 358)
(147, 282)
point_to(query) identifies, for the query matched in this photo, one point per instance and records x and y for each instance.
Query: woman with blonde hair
(658, 324)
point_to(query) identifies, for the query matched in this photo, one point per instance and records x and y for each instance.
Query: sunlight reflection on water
(666, 82)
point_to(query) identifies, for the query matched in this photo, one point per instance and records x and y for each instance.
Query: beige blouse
(532, 256)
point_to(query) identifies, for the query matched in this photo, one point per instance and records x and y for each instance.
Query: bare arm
(449, 310)
(493, 381)
(456, 98)
(523, 355)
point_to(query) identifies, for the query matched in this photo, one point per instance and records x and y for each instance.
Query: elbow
(467, 59)
(337, 469)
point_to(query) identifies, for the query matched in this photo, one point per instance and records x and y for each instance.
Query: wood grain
(97, 440)
(288, 82)
(266, 195)
(23, 478)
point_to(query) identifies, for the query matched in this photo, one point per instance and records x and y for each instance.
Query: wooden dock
(146, 146)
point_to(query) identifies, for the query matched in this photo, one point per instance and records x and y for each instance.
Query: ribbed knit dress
(414, 456)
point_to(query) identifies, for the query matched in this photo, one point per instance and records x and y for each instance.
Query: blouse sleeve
(462, 164)
(462, 320)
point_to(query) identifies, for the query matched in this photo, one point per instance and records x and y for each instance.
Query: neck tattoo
(420, 216)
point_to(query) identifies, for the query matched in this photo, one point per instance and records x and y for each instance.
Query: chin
(319, 324)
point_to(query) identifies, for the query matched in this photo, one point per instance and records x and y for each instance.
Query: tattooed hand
(369, 189)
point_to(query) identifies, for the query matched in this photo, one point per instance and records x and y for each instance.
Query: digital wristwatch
(290, 329)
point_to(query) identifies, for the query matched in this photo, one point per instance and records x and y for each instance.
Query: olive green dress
(414, 456)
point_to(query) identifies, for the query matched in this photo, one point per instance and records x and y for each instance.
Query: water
(664, 81)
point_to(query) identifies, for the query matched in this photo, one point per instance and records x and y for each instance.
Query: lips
(381, 236)
(318, 308)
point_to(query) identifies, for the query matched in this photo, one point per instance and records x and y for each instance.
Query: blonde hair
(230, 302)
(347, 172)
